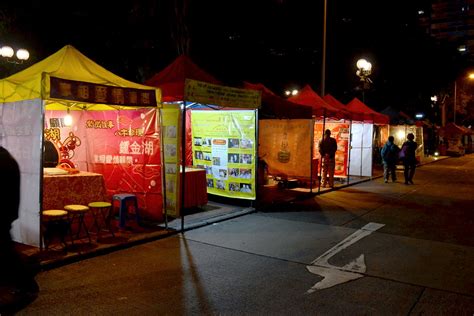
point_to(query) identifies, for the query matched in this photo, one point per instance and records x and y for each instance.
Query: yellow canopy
(69, 64)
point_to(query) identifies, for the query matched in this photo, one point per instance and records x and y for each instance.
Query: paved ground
(418, 262)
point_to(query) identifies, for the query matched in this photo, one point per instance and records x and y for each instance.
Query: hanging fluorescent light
(68, 118)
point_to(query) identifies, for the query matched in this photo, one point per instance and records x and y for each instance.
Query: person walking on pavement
(389, 155)
(327, 149)
(408, 157)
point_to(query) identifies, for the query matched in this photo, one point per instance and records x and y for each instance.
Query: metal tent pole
(183, 164)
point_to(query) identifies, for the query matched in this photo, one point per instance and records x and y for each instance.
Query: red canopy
(275, 106)
(337, 104)
(307, 96)
(453, 129)
(171, 79)
(368, 114)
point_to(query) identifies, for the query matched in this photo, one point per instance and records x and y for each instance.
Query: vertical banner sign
(171, 136)
(224, 144)
(339, 131)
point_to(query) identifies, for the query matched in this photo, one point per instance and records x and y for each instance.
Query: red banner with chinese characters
(124, 146)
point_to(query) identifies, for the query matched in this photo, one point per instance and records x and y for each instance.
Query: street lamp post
(364, 70)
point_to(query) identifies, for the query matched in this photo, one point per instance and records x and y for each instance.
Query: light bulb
(68, 119)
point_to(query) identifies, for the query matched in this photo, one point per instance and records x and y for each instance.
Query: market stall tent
(284, 138)
(216, 130)
(454, 139)
(69, 81)
(332, 117)
(364, 144)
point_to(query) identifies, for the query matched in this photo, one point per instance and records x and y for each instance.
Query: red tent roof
(171, 79)
(453, 129)
(336, 103)
(307, 96)
(368, 114)
(275, 106)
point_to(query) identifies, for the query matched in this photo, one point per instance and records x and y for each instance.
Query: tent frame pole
(321, 162)
(349, 154)
(159, 123)
(311, 155)
(183, 164)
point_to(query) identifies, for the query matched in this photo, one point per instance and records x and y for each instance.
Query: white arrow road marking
(333, 275)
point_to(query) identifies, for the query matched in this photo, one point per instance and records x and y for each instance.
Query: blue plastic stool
(125, 199)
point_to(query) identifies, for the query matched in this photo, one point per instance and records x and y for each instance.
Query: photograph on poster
(234, 187)
(245, 188)
(170, 131)
(216, 161)
(206, 142)
(208, 169)
(197, 141)
(170, 204)
(207, 156)
(199, 155)
(246, 143)
(234, 172)
(170, 185)
(223, 173)
(170, 150)
(220, 184)
(170, 168)
(246, 158)
(233, 158)
(245, 173)
(210, 183)
(233, 143)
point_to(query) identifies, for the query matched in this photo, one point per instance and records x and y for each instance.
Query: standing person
(327, 149)
(408, 156)
(389, 154)
(17, 284)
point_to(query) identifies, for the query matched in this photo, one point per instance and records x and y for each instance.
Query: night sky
(277, 43)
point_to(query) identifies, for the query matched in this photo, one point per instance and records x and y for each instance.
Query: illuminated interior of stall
(35, 103)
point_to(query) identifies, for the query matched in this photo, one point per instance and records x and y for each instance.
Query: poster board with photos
(171, 154)
(224, 145)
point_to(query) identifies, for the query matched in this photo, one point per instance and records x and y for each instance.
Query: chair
(76, 215)
(102, 215)
(126, 200)
(55, 223)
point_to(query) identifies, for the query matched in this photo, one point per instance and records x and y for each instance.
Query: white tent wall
(21, 134)
(361, 150)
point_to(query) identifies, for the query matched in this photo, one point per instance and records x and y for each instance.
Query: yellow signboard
(208, 93)
(224, 144)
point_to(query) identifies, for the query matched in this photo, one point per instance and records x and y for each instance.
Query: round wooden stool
(102, 214)
(77, 214)
(54, 223)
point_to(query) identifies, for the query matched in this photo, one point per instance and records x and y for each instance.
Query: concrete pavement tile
(434, 302)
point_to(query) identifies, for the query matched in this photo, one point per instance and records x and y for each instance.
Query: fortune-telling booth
(102, 131)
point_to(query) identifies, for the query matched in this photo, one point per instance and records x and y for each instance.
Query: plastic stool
(55, 222)
(102, 214)
(124, 199)
(77, 213)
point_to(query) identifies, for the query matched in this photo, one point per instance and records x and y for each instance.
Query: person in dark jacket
(408, 156)
(17, 284)
(327, 149)
(389, 155)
